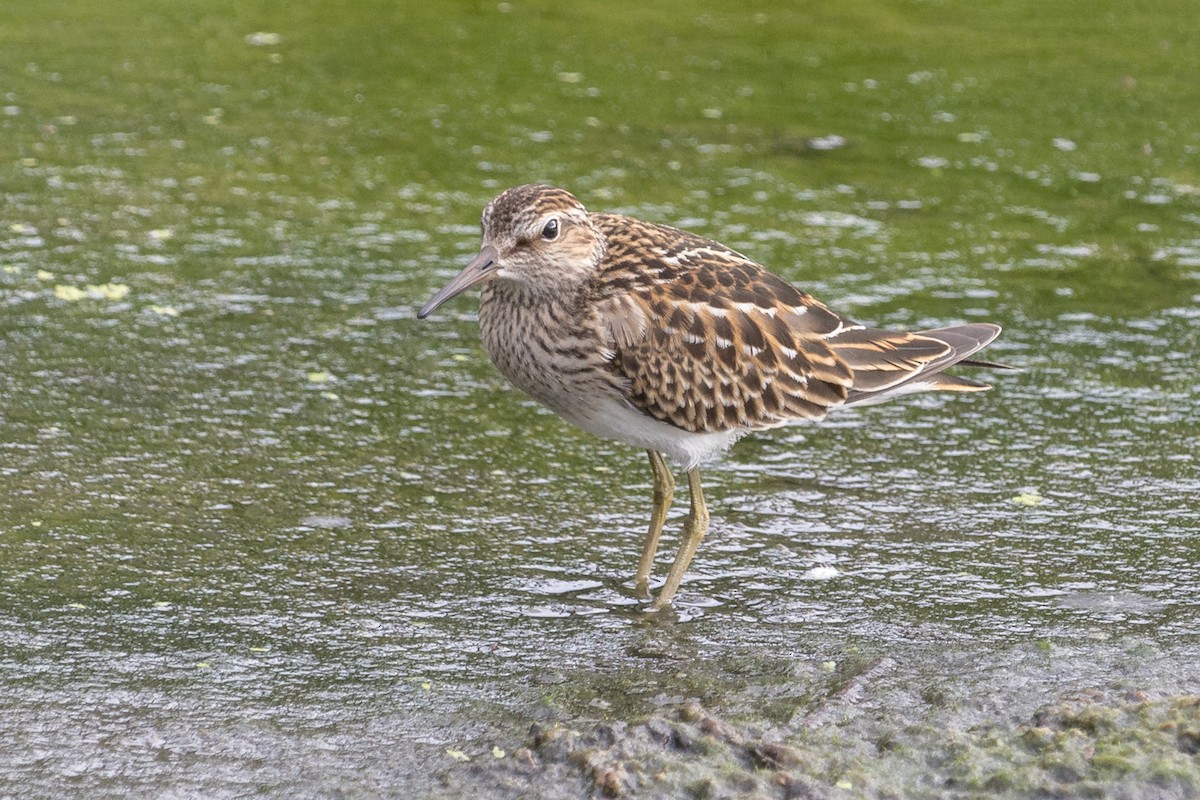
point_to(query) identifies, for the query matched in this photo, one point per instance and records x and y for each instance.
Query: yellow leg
(693, 531)
(664, 490)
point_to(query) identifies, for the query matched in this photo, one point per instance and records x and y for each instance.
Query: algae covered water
(262, 531)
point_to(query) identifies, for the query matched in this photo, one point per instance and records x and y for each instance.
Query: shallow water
(263, 531)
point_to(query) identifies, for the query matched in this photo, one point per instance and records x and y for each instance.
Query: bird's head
(536, 236)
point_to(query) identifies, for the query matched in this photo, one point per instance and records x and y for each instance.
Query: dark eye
(550, 232)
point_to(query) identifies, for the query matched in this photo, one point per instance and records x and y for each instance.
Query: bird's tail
(888, 364)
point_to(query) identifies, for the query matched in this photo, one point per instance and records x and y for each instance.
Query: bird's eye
(550, 231)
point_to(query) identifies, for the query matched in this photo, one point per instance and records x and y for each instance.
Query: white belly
(613, 418)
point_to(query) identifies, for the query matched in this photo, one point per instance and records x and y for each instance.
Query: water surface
(264, 531)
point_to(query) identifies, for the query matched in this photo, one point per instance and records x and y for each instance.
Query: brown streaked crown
(521, 206)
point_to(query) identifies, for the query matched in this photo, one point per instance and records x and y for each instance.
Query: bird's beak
(481, 268)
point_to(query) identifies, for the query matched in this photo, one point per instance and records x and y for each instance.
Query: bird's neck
(521, 294)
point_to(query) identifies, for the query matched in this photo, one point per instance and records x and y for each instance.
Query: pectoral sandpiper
(667, 341)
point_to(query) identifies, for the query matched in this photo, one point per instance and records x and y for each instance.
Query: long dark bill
(481, 268)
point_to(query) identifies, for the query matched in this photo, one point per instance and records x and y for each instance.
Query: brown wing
(709, 341)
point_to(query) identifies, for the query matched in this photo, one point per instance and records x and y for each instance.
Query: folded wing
(707, 340)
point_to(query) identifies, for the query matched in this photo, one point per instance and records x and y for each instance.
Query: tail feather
(888, 364)
(979, 362)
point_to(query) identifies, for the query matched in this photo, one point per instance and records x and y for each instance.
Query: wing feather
(890, 363)
(708, 340)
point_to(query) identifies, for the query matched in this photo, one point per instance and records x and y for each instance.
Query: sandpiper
(668, 341)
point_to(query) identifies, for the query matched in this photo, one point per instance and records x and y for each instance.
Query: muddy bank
(884, 731)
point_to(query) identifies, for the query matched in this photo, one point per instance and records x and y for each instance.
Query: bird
(668, 341)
